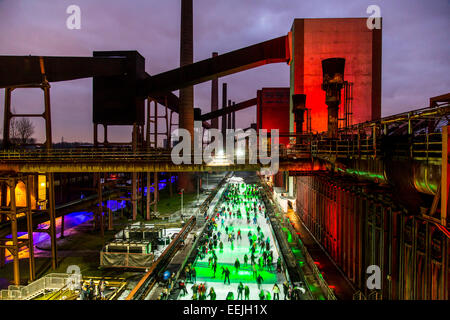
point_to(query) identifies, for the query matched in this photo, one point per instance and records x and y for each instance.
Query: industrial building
(354, 193)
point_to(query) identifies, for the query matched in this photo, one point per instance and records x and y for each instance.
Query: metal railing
(364, 140)
(139, 291)
(420, 147)
(50, 282)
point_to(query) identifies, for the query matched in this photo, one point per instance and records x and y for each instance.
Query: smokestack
(333, 81)
(233, 117)
(186, 111)
(215, 98)
(229, 116)
(224, 105)
(197, 114)
(186, 57)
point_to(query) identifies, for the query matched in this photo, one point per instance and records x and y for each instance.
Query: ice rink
(227, 258)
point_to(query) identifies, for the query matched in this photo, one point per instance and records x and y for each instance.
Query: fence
(126, 260)
(50, 282)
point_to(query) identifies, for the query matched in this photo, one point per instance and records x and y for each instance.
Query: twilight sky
(416, 48)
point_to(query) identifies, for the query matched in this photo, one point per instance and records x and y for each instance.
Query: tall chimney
(229, 116)
(224, 105)
(233, 118)
(186, 57)
(215, 98)
(186, 111)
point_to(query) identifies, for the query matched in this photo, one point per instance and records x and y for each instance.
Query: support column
(7, 118)
(51, 211)
(134, 176)
(100, 204)
(148, 144)
(134, 194)
(156, 125)
(4, 189)
(47, 115)
(15, 241)
(105, 135)
(148, 196)
(29, 183)
(155, 192)
(61, 236)
(170, 185)
(95, 135)
(445, 175)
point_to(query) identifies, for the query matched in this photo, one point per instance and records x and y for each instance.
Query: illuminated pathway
(228, 257)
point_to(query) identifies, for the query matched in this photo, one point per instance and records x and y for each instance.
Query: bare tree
(21, 130)
(13, 134)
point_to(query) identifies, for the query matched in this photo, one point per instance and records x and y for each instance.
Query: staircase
(50, 282)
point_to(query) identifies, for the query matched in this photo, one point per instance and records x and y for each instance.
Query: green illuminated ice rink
(227, 258)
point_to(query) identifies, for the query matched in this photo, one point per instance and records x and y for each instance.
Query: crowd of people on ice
(241, 205)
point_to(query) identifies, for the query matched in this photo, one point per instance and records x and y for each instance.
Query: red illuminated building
(314, 40)
(273, 110)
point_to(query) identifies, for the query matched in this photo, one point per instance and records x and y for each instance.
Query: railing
(138, 292)
(359, 296)
(364, 141)
(419, 147)
(50, 282)
(121, 154)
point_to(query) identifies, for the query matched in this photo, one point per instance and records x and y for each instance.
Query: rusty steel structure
(11, 211)
(380, 206)
(360, 224)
